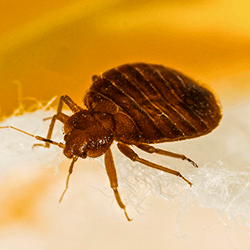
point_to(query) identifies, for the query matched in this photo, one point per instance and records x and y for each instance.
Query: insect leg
(111, 171)
(127, 151)
(60, 116)
(151, 149)
(70, 103)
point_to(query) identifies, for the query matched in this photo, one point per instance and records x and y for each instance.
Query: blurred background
(54, 47)
(51, 48)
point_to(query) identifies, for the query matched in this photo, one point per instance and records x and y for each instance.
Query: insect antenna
(59, 144)
(39, 138)
(75, 157)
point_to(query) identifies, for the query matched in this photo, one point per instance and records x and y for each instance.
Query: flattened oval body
(152, 104)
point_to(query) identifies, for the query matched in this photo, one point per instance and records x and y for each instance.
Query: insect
(134, 104)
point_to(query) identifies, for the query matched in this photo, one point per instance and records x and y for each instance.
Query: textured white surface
(220, 184)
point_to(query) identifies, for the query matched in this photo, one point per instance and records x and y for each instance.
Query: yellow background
(54, 47)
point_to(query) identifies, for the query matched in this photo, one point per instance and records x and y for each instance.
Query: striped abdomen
(163, 104)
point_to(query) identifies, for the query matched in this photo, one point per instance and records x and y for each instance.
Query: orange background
(54, 47)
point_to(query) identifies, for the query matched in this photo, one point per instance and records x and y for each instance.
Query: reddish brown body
(135, 104)
(152, 104)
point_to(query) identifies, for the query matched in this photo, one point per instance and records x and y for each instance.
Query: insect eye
(83, 155)
(66, 136)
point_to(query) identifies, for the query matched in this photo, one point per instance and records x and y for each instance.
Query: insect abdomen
(164, 104)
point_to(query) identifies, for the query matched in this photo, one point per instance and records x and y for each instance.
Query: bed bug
(134, 104)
